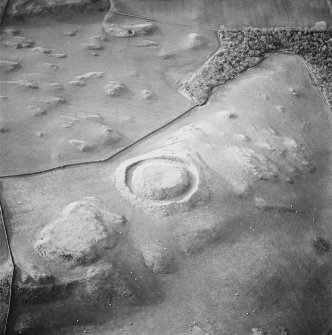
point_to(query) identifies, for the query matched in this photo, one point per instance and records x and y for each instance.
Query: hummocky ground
(75, 93)
(229, 231)
(216, 223)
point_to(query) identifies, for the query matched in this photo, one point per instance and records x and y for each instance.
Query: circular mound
(161, 183)
(159, 180)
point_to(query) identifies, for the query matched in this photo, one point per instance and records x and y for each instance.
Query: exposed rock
(21, 83)
(52, 66)
(88, 75)
(57, 87)
(27, 84)
(165, 55)
(114, 88)
(8, 65)
(38, 111)
(89, 133)
(109, 135)
(274, 205)
(257, 331)
(195, 41)
(20, 42)
(102, 38)
(49, 102)
(58, 55)
(320, 25)
(144, 43)
(158, 258)
(143, 28)
(42, 50)
(294, 92)
(228, 114)
(92, 46)
(84, 231)
(94, 117)
(82, 79)
(116, 30)
(78, 83)
(294, 155)
(242, 166)
(72, 32)
(281, 109)
(148, 95)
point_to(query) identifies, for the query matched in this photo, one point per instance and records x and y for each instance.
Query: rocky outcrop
(84, 231)
(127, 30)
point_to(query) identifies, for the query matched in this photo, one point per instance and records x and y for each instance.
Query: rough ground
(251, 252)
(66, 102)
(218, 223)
